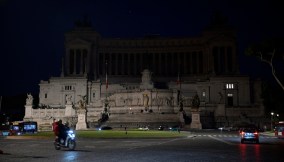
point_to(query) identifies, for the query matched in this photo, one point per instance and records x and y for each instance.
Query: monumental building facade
(149, 81)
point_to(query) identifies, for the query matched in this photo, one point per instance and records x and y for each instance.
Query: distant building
(150, 80)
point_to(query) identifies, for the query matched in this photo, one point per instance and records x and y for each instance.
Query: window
(45, 95)
(203, 94)
(230, 86)
(230, 95)
(68, 88)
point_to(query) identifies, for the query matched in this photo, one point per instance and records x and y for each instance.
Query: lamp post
(272, 113)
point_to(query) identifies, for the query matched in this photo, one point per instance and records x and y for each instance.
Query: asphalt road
(197, 146)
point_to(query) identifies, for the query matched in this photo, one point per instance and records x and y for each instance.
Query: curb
(268, 134)
(27, 137)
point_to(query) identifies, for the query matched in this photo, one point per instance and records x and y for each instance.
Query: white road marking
(218, 139)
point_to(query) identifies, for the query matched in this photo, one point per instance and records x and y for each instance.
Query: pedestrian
(179, 128)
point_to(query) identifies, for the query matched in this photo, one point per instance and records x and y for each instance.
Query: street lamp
(272, 113)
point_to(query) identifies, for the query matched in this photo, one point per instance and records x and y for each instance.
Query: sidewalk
(268, 133)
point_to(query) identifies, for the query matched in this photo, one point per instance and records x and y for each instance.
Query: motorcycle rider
(55, 128)
(65, 138)
(62, 131)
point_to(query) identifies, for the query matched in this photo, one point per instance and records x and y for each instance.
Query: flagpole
(179, 86)
(106, 101)
(179, 82)
(179, 91)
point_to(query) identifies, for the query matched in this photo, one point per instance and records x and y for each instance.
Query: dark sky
(32, 31)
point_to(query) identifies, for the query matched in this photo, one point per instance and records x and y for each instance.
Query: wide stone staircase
(143, 119)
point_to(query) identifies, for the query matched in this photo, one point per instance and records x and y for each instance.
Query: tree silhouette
(268, 51)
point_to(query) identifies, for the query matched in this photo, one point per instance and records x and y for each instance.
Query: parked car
(225, 128)
(143, 128)
(4, 130)
(249, 134)
(163, 127)
(175, 128)
(5, 133)
(105, 128)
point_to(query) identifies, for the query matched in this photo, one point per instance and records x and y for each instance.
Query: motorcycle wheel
(71, 144)
(57, 146)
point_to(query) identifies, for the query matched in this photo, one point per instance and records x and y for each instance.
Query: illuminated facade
(206, 65)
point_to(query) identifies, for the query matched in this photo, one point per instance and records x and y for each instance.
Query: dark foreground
(197, 146)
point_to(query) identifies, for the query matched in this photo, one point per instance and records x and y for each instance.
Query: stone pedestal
(28, 111)
(195, 123)
(69, 110)
(81, 124)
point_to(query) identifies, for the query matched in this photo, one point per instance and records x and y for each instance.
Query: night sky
(32, 31)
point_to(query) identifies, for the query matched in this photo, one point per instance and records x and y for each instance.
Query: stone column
(74, 67)
(128, 58)
(226, 59)
(135, 63)
(116, 64)
(184, 63)
(89, 92)
(197, 62)
(191, 62)
(160, 63)
(67, 60)
(81, 62)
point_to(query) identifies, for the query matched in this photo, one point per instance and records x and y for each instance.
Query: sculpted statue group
(83, 102)
(69, 99)
(29, 100)
(195, 103)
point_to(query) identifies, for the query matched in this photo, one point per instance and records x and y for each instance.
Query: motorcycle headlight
(70, 132)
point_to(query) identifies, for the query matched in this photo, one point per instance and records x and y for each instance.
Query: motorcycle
(69, 143)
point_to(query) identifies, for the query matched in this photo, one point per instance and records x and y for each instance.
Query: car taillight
(242, 133)
(255, 133)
